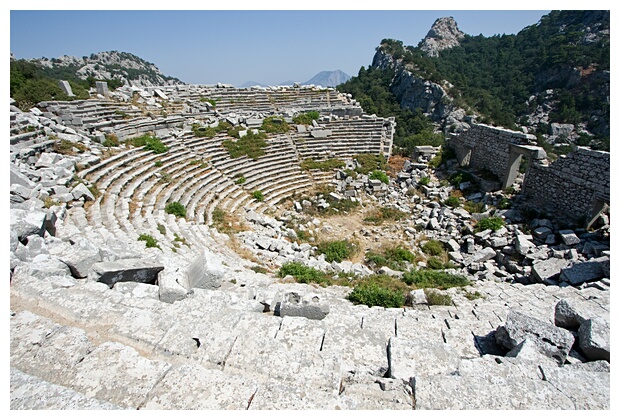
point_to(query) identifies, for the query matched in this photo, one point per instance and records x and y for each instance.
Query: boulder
(594, 339)
(206, 272)
(25, 223)
(586, 271)
(81, 257)
(544, 271)
(524, 245)
(571, 314)
(550, 340)
(568, 237)
(80, 191)
(293, 304)
(170, 290)
(529, 352)
(138, 270)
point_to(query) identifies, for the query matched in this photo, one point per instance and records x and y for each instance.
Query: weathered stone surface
(553, 341)
(586, 271)
(31, 393)
(587, 390)
(543, 271)
(594, 339)
(570, 314)
(169, 288)
(118, 374)
(206, 272)
(80, 190)
(524, 245)
(81, 257)
(568, 237)
(528, 351)
(293, 304)
(25, 223)
(142, 271)
(410, 358)
(192, 387)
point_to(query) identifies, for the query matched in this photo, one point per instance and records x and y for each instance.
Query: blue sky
(236, 46)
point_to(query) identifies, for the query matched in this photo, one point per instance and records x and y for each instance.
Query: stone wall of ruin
(569, 187)
(485, 147)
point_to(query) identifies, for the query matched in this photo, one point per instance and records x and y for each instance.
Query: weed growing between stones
(258, 195)
(371, 294)
(250, 145)
(434, 279)
(150, 241)
(175, 208)
(225, 222)
(337, 250)
(368, 162)
(392, 257)
(380, 175)
(434, 297)
(304, 274)
(493, 223)
(433, 247)
(306, 118)
(66, 147)
(111, 140)
(383, 214)
(161, 228)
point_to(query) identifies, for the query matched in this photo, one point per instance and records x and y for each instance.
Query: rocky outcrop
(444, 34)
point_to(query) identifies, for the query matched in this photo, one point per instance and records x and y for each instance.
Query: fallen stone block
(550, 340)
(524, 245)
(542, 232)
(170, 290)
(594, 339)
(138, 270)
(571, 314)
(206, 272)
(544, 271)
(80, 191)
(587, 271)
(568, 237)
(80, 258)
(25, 223)
(529, 352)
(293, 304)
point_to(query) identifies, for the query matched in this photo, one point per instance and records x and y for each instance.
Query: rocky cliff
(127, 67)
(444, 34)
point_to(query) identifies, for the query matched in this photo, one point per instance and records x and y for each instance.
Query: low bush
(175, 208)
(306, 118)
(258, 195)
(459, 177)
(434, 263)
(337, 250)
(240, 179)
(275, 125)
(150, 241)
(381, 176)
(452, 201)
(250, 145)
(424, 180)
(434, 279)
(435, 298)
(158, 163)
(161, 228)
(433, 247)
(66, 147)
(372, 294)
(503, 204)
(368, 162)
(149, 142)
(325, 165)
(493, 223)
(394, 257)
(472, 207)
(111, 140)
(304, 274)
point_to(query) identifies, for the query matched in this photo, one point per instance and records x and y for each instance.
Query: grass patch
(258, 269)
(459, 177)
(49, 202)
(380, 175)
(383, 214)
(179, 239)
(158, 163)
(435, 298)
(175, 208)
(111, 140)
(224, 222)
(306, 118)
(304, 274)
(436, 279)
(161, 229)
(337, 250)
(472, 207)
(433, 247)
(66, 147)
(275, 125)
(379, 290)
(367, 162)
(424, 180)
(473, 296)
(251, 145)
(392, 257)
(325, 165)
(493, 223)
(150, 241)
(239, 179)
(452, 201)
(258, 195)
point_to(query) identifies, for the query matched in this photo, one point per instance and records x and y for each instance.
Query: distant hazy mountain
(253, 83)
(329, 78)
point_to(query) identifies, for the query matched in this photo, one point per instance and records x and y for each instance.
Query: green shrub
(381, 176)
(433, 247)
(372, 294)
(258, 195)
(369, 162)
(304, 274)
(150, 241)
(275, 125)
(251, 145)
(175, 208)
(434, 263)
(149, 142)
(111, 140)
(65, 147)
(452, 201)
(325, 165)
(493, 223)
(434, 279)
(435, 298)
(161, 228)
(472, 207)
(424, 180)
(337, 250)
(240, 179)
(503, 203)
(306, 118)
(459, 177)
(393, 258)
(475, 295)
(158, 163)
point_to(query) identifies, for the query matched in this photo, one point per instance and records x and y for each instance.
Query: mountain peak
(328, 78)
(443, 34)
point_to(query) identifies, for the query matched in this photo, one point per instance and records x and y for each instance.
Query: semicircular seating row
(196, 172)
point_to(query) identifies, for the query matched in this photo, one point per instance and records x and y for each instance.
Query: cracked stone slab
(117, 373)
(28, 392)
(410, 358)
(588, 390)
(594, 339)
(193, 387)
